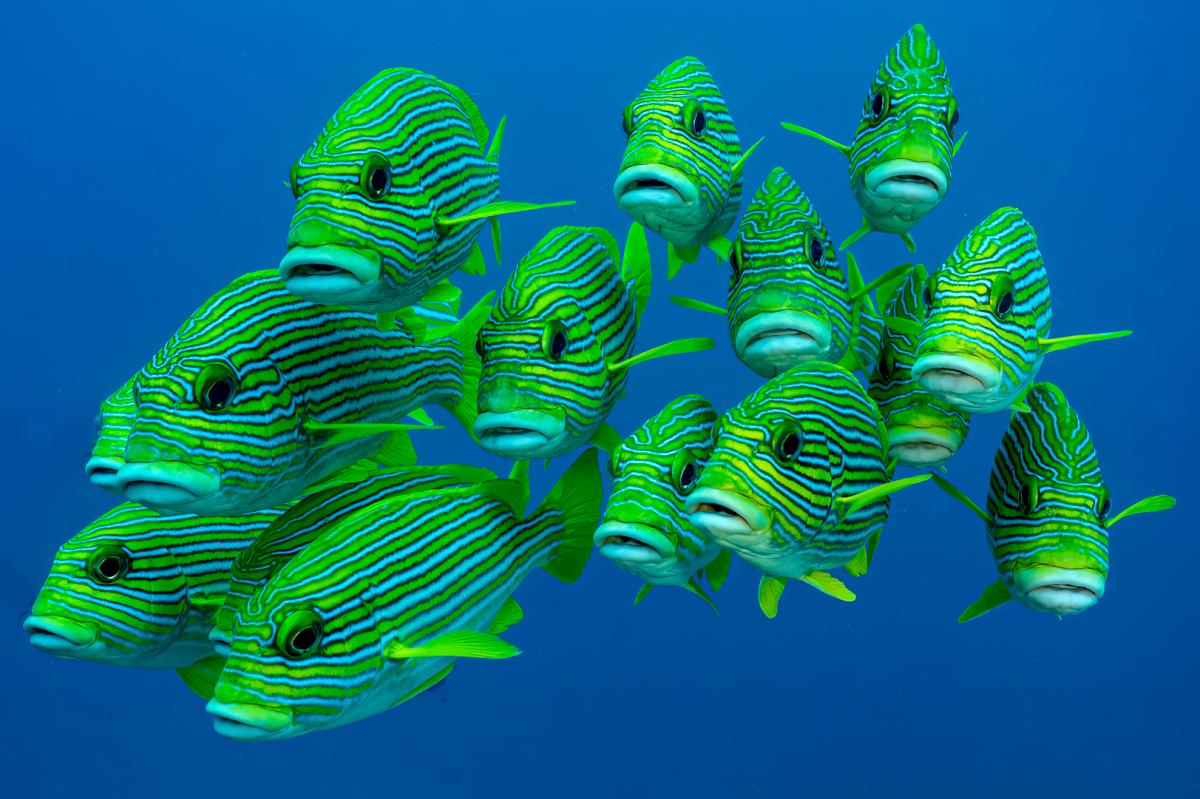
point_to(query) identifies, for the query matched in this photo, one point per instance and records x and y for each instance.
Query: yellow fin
(828, 584)
(456, 644)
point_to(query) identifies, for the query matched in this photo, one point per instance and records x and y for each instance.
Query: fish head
(115, 594)
(987, 307)
(212, 435)
(789, 301)
(900, 158)
(646, 529)
(676, 176)
(113, 423)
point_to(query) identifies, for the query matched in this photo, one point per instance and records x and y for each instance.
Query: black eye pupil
(1105, 508)
(816, 252)
(379, 180)
(927, 299)
(1006, 304)
(558, 345)
(699, 122)
(219, 393)
(790, 445)
(688, 475)
(110, 567)
(479, 345)
(877, 103)
(304, 639)
(954, 119)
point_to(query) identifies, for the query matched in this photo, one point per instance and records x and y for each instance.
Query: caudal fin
(577, 497)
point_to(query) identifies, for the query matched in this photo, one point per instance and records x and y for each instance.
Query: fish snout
(772, 342)
(521, 434)
(922, 443)
(1057, 590)
(166, 485)
(102, 471)
(245, 721)
(959, 377)
(58, 635)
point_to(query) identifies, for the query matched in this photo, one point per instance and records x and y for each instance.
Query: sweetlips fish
(557, 347)
(304, 522)
(901, 153)
(244, 408)
(797, 482)
(987, 322)
(681, 175)
(922, 430)
(134, 588)
(112, 430)
(392, 195)
(789, 300)
(645, 529)
(379, 607)
(1048, 512)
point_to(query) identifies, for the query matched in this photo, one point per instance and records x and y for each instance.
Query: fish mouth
(919, 446)
(330, 274)
(903, 180)
(654, 186)
(632, 542)
(222, 642)
(726, 516)
(166, 485)
(963, 379)
(248, 722)
(1063, 592)
(102, 472)
(58, 635)
(519, 434)
(774, 341)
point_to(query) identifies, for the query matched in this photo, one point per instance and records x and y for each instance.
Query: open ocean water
(146, 152)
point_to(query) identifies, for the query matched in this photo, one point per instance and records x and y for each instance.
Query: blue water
(145, 151)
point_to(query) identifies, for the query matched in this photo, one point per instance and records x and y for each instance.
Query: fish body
(901, 155)
(378, 607)
(392, 194)
(230, 412)
(680, 175)
(790, 300)
(134, 588)
(113, 423)
(922, 430)
(646, 529)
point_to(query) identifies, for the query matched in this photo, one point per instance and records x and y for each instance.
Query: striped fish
(392, 195)
(558, 345)
(922, 430)
(242, 408)
(988, 318)
(112, 431)
(290, 533)
(901, 153)
(797, 482)
(646, 530)
(376, 610)
(1048, 512)
(134, 588)
(681, 175)
(789, 300)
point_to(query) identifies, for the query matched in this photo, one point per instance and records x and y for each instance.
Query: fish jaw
(772, 342)
(665, 200)
(102, 472)
(521, 434)
(923, 447)
(168, 486)
(59, 635)
(898, 193)
(1053, 589)
(642, 550)
(963, 380)
(244, 721)
(222, 641)
(730, 519)
(332, 274)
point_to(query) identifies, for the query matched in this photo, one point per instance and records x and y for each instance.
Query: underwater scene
(577, 400)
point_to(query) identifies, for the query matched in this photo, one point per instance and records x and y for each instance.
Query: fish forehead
(573, 261)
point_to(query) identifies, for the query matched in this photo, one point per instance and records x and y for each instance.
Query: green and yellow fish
(922, 430)
(244, 407)
(392, 195)
(558, 345)
(797, 482)
(646, 530)
(1048, 512)
(789, 300)
(988, 318)
(681, 175)
(901, 153)
(113, 423)
(377, 609)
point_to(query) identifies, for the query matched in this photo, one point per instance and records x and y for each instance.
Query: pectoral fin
(475, 265)
(849, 504)
(953, 491)
(498, 208)
(641, 594)
(770, 589)
(853, 238)
(698, 305)
(721, 246)
(456, 644)
(202, 675)
(1047, 345)
(677, 347)
(740, 165)
(1154, 504)
(958, 144)
(828, 584)
(992, 597)
(718, 570)
(693, 587)
(425, 686)
(905, 327)
(350, 431)
(510, 613)
(842, 148)
(606, 438)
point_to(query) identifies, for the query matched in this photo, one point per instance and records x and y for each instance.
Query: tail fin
(576, 496)
(464, 333)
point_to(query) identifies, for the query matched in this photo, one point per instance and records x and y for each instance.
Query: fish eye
(1002, 296)
(554, 341)
(108, 564)
(952, 116)
(1004, 307)
(613, 468)
(816, 250)
(1029, 495)
(735, 260)
(887, 364)
(927, 297)
(376, 177)
(479, 344)
(300, 634)
(694, 118)
(877, 104)
(627, 120)
(1105, 506)
(684, 471)
(787, 444)
(215, 387)
(294, 179)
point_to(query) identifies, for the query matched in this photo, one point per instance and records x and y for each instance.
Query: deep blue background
(144, 157)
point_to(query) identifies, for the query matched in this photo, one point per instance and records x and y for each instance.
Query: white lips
(519, 434)
(645, 544)
(353, 278)
(963, 380)
(677, 190)
(1060, 591)
(895, 178)
(747, 519)
(774, 341)
(166, 484)
(922, 446)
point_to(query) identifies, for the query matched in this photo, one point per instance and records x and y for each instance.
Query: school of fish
(280, 545)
